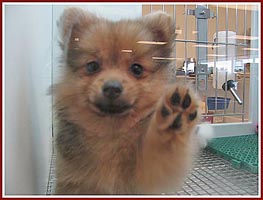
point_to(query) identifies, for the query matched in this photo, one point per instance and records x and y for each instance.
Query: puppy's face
(111, 67)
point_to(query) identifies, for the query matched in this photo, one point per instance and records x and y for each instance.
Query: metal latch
(201, 13)
(201, 76)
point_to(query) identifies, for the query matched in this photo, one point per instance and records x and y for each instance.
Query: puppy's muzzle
(112, 89)
(112, 101)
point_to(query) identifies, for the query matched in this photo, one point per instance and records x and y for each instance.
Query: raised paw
(178, 110)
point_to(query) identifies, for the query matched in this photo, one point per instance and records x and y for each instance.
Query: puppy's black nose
(112, 89)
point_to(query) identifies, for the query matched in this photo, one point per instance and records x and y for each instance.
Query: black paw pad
(192, 116)
(175, 99)
(187, 101)
(165, 112)
(177, 123)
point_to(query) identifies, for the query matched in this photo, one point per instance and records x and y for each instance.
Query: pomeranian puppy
(124, 126)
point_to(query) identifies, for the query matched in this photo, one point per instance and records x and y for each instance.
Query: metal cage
(216, 49)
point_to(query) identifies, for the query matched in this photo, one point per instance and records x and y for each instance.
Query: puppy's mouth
(113, 108)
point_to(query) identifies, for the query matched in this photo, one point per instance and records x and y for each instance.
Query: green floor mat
(242, 151)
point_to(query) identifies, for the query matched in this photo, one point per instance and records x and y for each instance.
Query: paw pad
(176, 99)
(177, 123)
(165, 111)
(187, 101)
(192, 116)
(178, 110)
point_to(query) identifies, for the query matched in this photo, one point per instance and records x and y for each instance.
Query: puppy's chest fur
(104, 162)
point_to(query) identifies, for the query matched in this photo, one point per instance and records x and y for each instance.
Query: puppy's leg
(166, 150)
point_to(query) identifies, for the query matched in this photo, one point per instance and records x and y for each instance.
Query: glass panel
(226, 92)
(229, 52)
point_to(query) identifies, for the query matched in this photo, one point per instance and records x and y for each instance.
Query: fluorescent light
(207, 45)
(76, 39)
(250, 49)
(214, 55)
(178, 31)
(163, 58)
(243, 37)
(151, 42)
(126, 50)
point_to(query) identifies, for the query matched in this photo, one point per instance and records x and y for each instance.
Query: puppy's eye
(92, 67)
(136, 69)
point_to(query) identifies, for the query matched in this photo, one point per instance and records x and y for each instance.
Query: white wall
(28, 118)
(31, 55)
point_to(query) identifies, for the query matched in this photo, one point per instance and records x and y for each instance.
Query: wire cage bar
(233, 64)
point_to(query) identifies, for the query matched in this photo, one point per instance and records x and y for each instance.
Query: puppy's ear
(72, 20)
(161, 25)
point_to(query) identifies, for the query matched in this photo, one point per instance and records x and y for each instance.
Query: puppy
(123, 128)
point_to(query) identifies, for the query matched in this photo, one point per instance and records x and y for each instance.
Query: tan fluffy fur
(134, 152)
